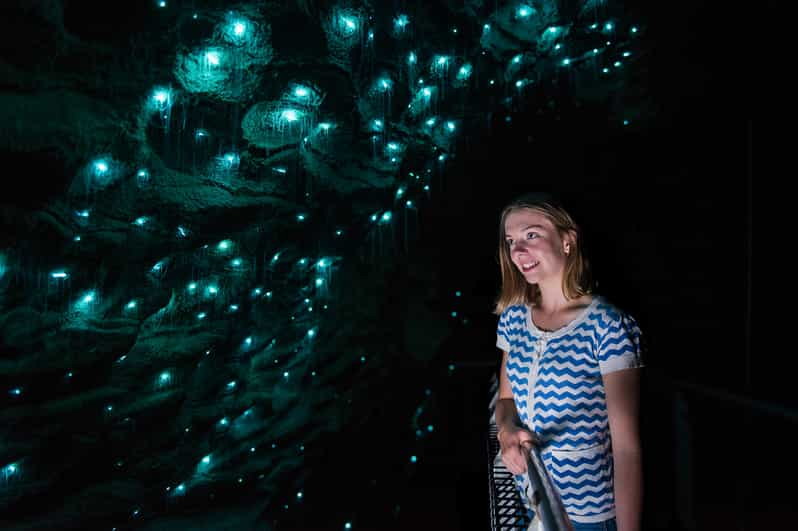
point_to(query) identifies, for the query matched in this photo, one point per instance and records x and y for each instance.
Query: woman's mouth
(529, 267)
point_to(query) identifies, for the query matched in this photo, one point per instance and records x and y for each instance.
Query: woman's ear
(569, 241)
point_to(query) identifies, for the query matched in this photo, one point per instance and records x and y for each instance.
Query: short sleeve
(621, 346)
(502, 334)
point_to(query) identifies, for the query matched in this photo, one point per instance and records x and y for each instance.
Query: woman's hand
(515, 442)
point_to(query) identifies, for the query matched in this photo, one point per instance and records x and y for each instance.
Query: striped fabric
(559, 393)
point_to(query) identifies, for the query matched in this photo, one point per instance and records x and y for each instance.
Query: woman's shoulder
(513, 311)
(607, 312)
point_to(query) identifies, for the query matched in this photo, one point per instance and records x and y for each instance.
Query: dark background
(666, 207)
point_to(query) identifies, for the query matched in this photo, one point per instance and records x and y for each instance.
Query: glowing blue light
(411, 58)
(557, 46)
(299, 494)
(131, 305)
(83, 214)
(386, 217)
(89, 297)
(616, 64)
(325, 126)
(285, 375)
(239, 28)
(100, 167)
(212, 58)
(192, 286)
(231, 385)
(605, 70)
(319, 282)
(517, 59)
(441, 60)
(224, 245)
(224, 421)
(69, 374)
(633, 29)
(211, 290)
(206, 460)
(393, 146)
(430, 428)
(349, 24)
(400, 22)
(200, 133)
(426, 188)
(347, 525)
(182, 232)
(595, 50)
(157, 267)
(339, 232)
(10, 470)
(566, 61)
(491, 82)
(384, 83)
(248, 341)
(409, 204)
(231, 160)
(141, 221)
(180, 488)
(233, 308)
(59, 274)
(76, 238)
(16, 391)
(594, 26)
(400, 191)
(300, 217)
(311, 332)
(290, 115)
(165, 377)
(431, 122)
(608, 26)
(413, 459)
(301, 92)
(524, 11)
(519, 83)
(553, 29)
(162, 3)
(450, 126)
(464, 72)
(161, 97)
(627, 54)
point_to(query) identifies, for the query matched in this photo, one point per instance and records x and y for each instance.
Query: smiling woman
(567, 383)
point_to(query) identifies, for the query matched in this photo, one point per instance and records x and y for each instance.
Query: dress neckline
(581, 316)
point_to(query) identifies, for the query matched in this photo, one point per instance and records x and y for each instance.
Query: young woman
(569, 380)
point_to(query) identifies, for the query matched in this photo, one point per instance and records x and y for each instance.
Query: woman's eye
(531, 235)
(509, 243)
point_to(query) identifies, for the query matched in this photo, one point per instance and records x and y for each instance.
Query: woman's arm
(623, 398)
(512, 435)
(506, 413)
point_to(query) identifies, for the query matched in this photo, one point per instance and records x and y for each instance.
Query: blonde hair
(577, 279)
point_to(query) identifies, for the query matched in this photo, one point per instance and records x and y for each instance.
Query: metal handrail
(545, 497)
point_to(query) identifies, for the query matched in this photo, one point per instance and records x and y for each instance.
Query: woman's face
(535, 247)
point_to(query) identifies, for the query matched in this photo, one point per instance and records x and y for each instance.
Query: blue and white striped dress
(556, 379)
